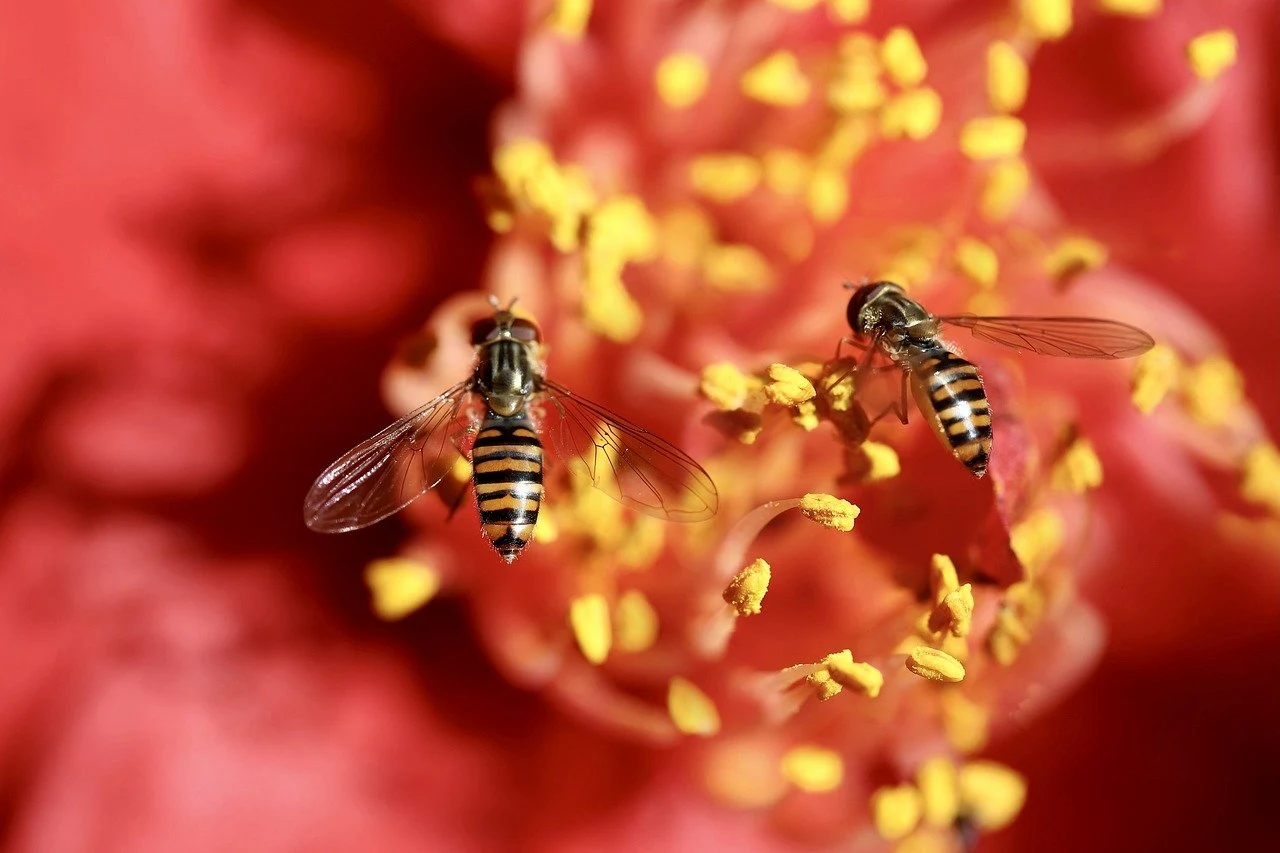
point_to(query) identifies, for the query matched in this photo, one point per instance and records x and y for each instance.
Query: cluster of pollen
(920, 813)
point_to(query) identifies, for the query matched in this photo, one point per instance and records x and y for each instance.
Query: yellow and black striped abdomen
(951, 397)
(506, 462)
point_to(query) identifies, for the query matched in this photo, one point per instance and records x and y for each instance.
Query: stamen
(1004, 188)
(934, 665)
(618, 232)
(1212, 53)
(1260, 483)
(1008, 636)
(829, 511)
(1131, 8)
(1079, 469)
(991, 795)
(569, 18)
(881, 462)
(400, 585)
(1037, 538)
(914, 114)
(977, 261)
(795, 5)
(849, 11)
(736, 268)
(1048, 20)
(1212, 390)
(681, 79)
(848, 139)
(1074, 256)
(992, 137)
(1154, 376)
(943, 579)
(691, 710)
(786, 171)
(635, 622)
(896, 811)
(806, 416)
(777, 80)
(828, 195)
(743, 774)
(856, 675)
(725, 177)
(1007, 77)
(965, 722)
(788, 386)
(746, 591)
(813, 768)
(902, 59)
(954, 613)
(685, 233)
(590, 623)
(939, 784)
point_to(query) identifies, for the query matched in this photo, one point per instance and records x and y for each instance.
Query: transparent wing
(383, 475)
(1068, 337)
(627, 462)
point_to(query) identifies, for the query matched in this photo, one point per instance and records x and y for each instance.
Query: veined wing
(1068, 337)
(625, 461)
(383, 475)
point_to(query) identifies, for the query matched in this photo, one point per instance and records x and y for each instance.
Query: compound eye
(856, 304)
(526, 331)
(482, 330)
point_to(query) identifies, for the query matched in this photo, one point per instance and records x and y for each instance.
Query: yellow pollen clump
(828, 195)
(896, 811)
(935, 665)
(992, 137)
(849, 11)
(813, 768)
(685, 233)
(1260, 483)
(829, 511)
(1212, 390)
(1212, 53)
(991, 795)
(1131, 8)
(736, 267)
(1048, 20)
(1079, 469)
(965, 722)
(786, 171)
(400, 585)
(726, 386)
(824, 686)
(788, 386)
(977, 261)
(939, 785)
(1154, 376)
(528, 172)
(1003, 189)
(914, 114)
(882, 461)
(806, 416)
(954, 613)
(724, 177)
(777, 80)
(569, 17)
(681, 79)
(856, 87)
(1037, 538)
(608, 308)
(943, 579)
(620, 231)
(1007, 637)
(635, 622)
(862, 677)
(902, 59)
(745, 593)
(1074, 255)
(1007, 77)
(691, 710)
(589, 620)
(848, 139)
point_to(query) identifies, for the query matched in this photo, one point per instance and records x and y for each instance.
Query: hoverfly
(947, 388)
(495, 418)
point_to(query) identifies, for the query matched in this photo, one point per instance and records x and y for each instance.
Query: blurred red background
(217, 221)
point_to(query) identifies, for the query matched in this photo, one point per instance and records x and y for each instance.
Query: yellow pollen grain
(813, 769)
(902, 59)
(1005, 185)
(635, 622)
(896, 811)
(991, 794)
(849, 11)
(847, 140)
(1048, 20)
(857, 88)
(882, 461)
(726, 386)
(977, 261)
(1132, 8)
(777, 81)
(746, 592)
(806, 416)
(400, 585)
(1037, 538)
(943, 579)
(828, 195)
(856, 675)
(685, 233)
(725, 177)
(914, 114)
(590, 623)
(934, 665)
(1074, 255)
(569, 18)
(623, 227)
(736, 268)
(954, 613)
(1007, 637)
(1007, 77)
(788, 386)
(607, 308)
(1079, 469)
(992, 137)
(1212, 390)
(681, 79)
(829, 511)
(939, 785)
(691, 710)
(824, 686)
(786, 171)
(965, 722)
(1212, 53)
(1260, 480)
(1155, 374)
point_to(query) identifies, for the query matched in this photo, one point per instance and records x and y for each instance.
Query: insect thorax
(506, 376)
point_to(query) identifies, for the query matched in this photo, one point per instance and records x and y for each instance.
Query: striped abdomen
(950, 395)
(506, 462)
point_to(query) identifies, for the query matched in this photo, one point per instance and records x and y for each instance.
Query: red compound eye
(526, 330)
(482, 330)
